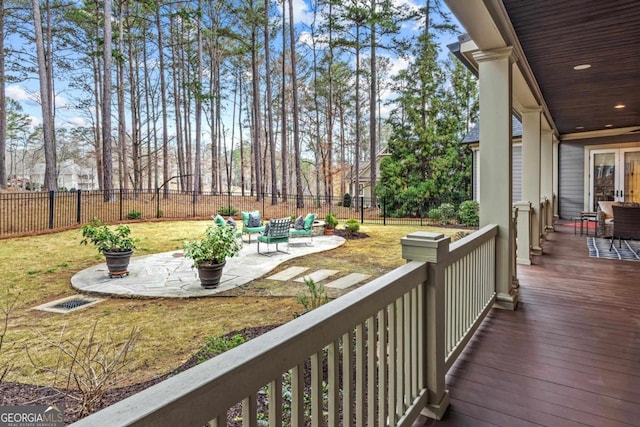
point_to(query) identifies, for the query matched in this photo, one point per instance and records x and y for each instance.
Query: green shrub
(351, 226)
(448, 212)
(468, 213)
(315, 296)
(218, 345)
(435, 214)
(346, 200)
(227, 210)
(330, 221)
(134, 214)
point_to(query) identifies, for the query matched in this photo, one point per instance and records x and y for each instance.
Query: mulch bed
(12, 393)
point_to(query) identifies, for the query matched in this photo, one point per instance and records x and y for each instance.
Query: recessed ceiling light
(579, 127)
(608, 126)
(582, 67)
(619, 106)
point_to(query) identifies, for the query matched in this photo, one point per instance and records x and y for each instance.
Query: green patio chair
(249, 221)
(307, 228)
(276, 232)
(220, 222)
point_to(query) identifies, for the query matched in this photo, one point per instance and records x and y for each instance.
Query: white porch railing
(376, 356)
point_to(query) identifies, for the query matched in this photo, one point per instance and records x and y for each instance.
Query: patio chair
(252, 223)
(220, 222)
(276, 231)
(307, 228)
(626, 224)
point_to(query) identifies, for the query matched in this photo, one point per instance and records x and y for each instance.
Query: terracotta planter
(210, 275)
(328, 231)
(117, 263)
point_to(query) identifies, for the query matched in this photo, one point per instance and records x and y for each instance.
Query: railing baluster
(275, 403)
(347, 378)
(250, 411)
(333, 397)
(383, 360)
(393, 369)
(297, 396)
(360, 380)
(372, 376)
(317, 399)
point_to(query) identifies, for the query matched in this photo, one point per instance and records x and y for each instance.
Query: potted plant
(116, 245)
(210, 253)
(330, 223)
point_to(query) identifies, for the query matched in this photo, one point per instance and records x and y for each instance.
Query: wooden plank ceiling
(558, 35)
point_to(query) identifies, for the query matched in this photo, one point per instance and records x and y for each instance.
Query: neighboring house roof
(474, 134)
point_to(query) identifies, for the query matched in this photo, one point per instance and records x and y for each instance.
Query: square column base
(507, 301)
(436, 411)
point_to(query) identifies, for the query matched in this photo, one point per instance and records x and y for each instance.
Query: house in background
(70, 176)
(365, 177)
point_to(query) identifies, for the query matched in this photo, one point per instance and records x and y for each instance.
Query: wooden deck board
(570, 353)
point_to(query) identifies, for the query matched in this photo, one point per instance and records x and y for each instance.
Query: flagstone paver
(317, 275)
(347, 281)
(288, 274)
(170, 275)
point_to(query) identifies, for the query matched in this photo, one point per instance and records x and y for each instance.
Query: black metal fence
(38, 212)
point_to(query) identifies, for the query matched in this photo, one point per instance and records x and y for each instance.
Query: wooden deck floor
(568, 356)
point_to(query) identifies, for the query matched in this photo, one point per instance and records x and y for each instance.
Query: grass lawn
(39, 269)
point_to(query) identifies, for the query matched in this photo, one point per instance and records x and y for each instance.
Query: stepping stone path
(341, 283)
(347, 281)
(317, 276)
(288, 274)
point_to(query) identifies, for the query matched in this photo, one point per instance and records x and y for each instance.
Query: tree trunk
(163, 98)
(272, 142)
(3, 105)
(372, 108)
(296, 129)
(283, 148)
(197, 179)
(255, 77)
(46, 102)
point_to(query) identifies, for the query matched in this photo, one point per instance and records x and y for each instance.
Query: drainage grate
(68, 304)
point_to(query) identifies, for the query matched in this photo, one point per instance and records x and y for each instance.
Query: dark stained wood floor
(568, 356)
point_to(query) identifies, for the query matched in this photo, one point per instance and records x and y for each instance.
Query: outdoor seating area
(626, 224)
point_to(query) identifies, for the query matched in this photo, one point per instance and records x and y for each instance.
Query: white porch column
(524, 232)
(495, 163)
(556, 165)
(531, 129)
(546, 174)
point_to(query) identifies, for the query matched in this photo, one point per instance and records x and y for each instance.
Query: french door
(614, 176)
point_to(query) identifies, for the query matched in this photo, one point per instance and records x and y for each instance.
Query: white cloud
(76, 121)
(19, 94)
(302, 12)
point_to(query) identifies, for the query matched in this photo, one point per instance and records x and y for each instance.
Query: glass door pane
(604, 168)
(632, 176)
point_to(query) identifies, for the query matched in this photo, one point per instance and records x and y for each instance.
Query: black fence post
(361, 209)
(384, 211)
(193, 203)
(263, 203)
(121, 207)
(157, 202)
(79, 207)
(51, 207)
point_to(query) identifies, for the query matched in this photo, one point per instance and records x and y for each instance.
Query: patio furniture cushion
(255, 220)
(299, 223)
(232, 222)
(308, 221)
(307, 227)
(219, 220)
